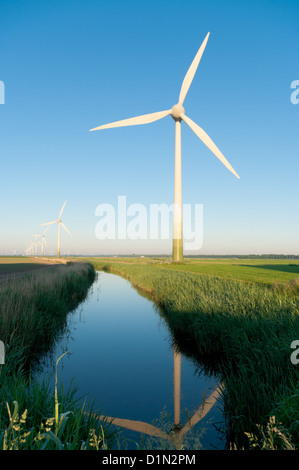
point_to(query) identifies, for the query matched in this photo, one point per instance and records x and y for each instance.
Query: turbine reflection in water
(178, 432)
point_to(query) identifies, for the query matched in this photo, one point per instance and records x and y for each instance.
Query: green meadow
(266, 271)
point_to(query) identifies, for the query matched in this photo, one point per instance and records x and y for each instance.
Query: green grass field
(266, 271)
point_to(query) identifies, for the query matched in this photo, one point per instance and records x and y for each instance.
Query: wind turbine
(59, 224)
(30, 248)
(43, 240)
(178, 114)
(35, 244)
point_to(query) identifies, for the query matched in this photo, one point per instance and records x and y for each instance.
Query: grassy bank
(242, 330)
(33, 311)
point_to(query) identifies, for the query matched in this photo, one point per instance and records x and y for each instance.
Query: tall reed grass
(34, 307)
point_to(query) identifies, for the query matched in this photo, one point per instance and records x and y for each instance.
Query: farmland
(265, 271)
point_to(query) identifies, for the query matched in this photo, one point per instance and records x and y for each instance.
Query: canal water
(121, 357)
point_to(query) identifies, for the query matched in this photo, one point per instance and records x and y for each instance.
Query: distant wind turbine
(43, 240)
(30, 248)
(59, 224)
(178, 114)
(35, 244)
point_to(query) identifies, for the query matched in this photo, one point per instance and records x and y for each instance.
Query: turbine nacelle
(177, 110)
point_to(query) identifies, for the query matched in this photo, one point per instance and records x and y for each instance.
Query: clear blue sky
(73, 65)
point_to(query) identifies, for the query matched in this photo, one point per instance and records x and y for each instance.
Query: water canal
(121, 356)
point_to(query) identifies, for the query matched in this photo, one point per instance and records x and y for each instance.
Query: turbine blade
(145, 119)
(65, 229)
(192, 69)
(201, 412)
(50, 223)
(139, 426)
(44, 240)
(60, 213)
(208, 142)
(45, 231)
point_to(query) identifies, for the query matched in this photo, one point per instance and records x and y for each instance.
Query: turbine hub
(177, 110)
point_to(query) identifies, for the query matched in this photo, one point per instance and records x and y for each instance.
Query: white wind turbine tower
(30, 248)
(59, 224)
(35, 244)
(178, 114)
(43, 240)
